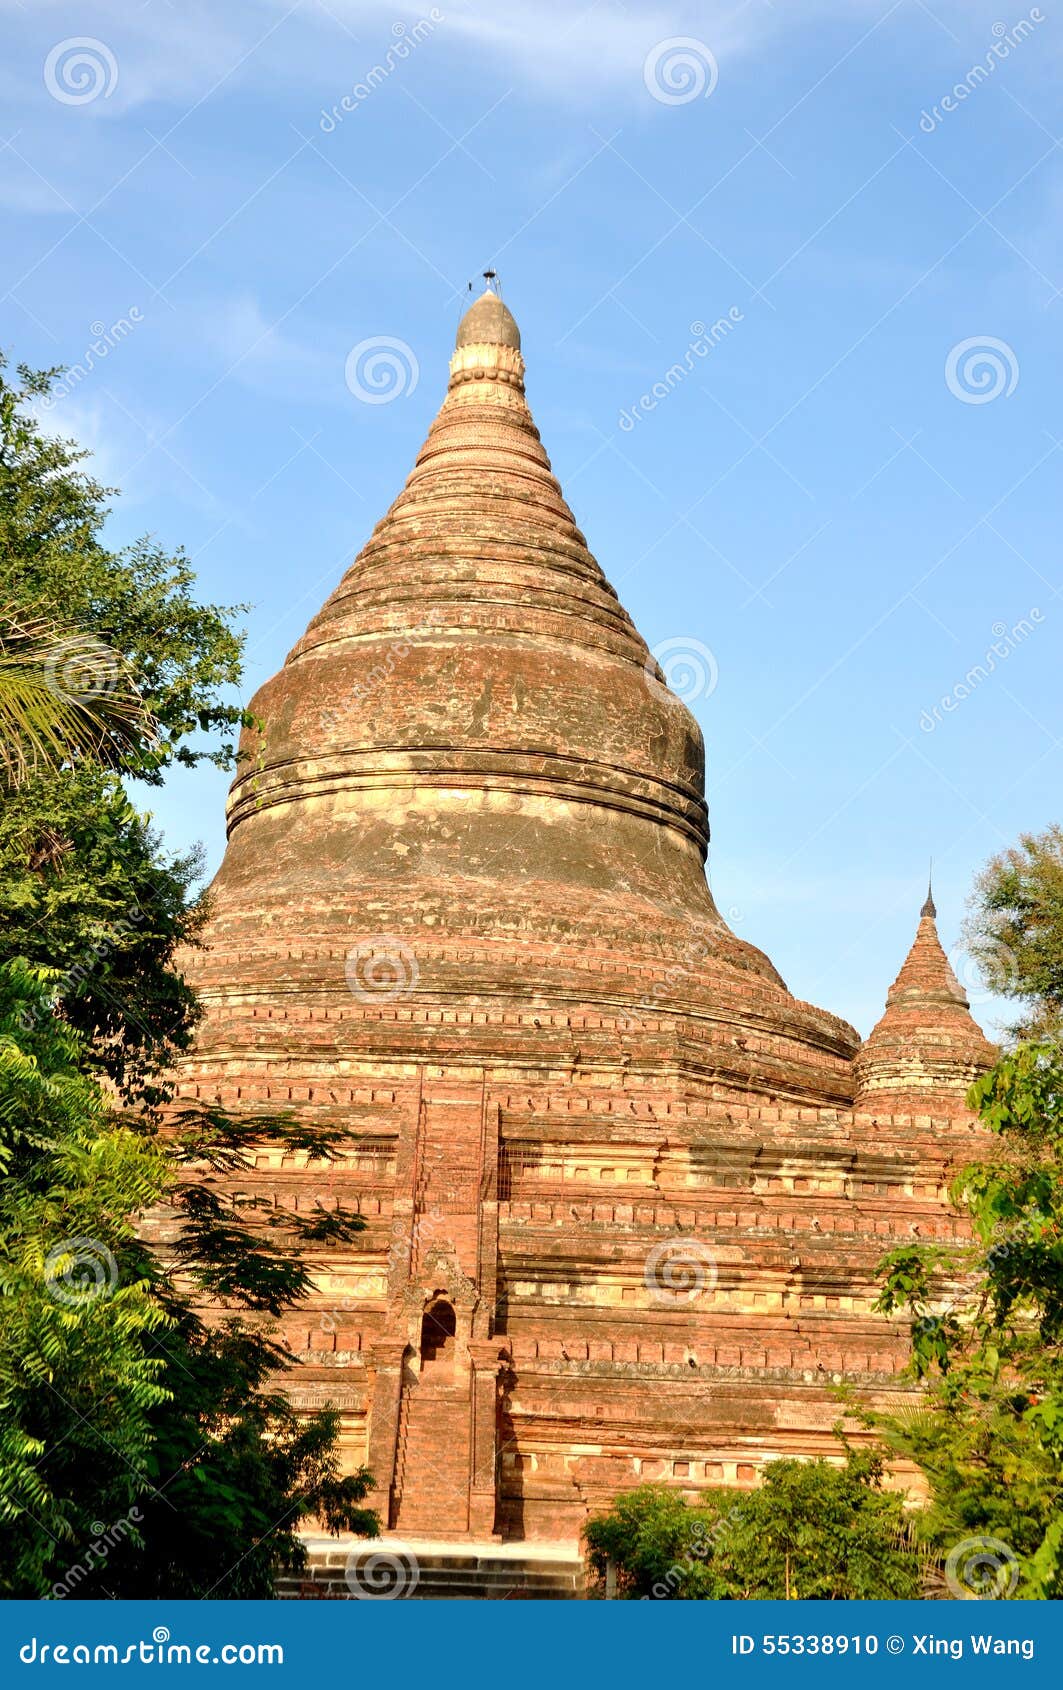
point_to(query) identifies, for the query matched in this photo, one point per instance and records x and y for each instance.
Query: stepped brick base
(409, 1569)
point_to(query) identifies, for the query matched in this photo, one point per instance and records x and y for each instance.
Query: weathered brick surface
(926, 1045)
(463, 914)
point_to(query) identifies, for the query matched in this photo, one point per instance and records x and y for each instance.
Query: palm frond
(63, 695)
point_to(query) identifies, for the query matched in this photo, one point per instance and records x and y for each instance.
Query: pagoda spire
(474, 677)
(927, 1048)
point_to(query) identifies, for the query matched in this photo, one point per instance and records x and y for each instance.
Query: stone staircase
(426, 1571)
(432, 1463)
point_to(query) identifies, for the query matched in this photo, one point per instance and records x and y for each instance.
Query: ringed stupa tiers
(624, 1194)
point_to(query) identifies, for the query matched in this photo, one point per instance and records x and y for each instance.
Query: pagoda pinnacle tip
(929, 907)
(488, 322)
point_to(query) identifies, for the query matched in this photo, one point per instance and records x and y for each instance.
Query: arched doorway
(438, 1325)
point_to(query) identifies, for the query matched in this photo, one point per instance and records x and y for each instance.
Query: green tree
(84, 886)
(87, 892)
(232, 1470)
(822, 1532)
(49, 714)
(126, 1419)
(658, 1544)
(1014, 929)
(133, 608)
(987, 1316)
(135, 1417)
(986, 1326)
(812, 1529)
(78, 1314)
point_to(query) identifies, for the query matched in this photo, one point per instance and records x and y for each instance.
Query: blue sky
(847, 502)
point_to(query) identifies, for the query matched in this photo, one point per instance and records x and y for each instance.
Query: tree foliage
(659, 1545)
(813, 1529)
(78, 1313)
(87, 892)
(986, 1328)
(124, 1412)
(134, 607)
(61, 698)
(1014, 929)
(85, 888)
(147, 1447)
(233, 1470)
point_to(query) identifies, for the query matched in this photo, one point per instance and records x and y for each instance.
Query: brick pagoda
(625, 1195)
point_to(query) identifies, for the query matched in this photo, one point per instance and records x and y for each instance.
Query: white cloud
(132, 453)
(180, 55)
(23, 190)
(265, 358)
(91, 424)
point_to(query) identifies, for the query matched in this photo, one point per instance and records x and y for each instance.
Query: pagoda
(624, 1195)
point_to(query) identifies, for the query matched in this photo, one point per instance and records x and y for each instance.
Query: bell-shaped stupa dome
(471, 753)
